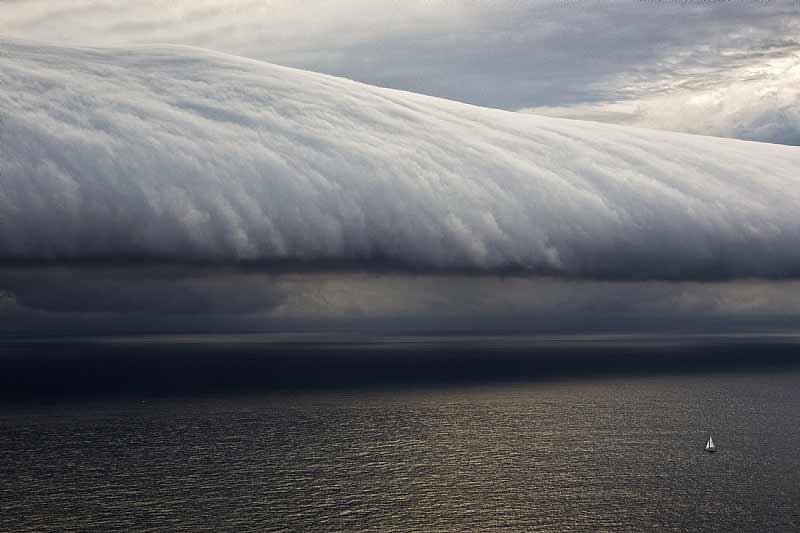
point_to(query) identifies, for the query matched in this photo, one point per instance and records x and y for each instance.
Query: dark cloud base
(636, 269)
(79, 370)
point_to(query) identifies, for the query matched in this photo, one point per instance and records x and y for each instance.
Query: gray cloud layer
(753, 102)
(81, 300)
(175, 154)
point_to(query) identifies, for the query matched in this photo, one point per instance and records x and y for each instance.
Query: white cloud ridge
(178, 154)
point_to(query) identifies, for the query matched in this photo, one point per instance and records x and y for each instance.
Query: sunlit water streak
(615, 454)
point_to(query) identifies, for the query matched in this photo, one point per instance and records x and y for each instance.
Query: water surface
(609, 454)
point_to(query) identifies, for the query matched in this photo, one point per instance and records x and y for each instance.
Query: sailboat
(710, 445)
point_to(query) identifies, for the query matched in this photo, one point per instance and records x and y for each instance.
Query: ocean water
(605, 454)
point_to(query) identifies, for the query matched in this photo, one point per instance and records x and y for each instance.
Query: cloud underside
(177, 155)
(80, 300)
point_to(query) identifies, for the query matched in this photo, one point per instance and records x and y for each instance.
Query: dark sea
(607, 452)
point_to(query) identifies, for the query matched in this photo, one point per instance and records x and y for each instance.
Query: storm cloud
(172, 154)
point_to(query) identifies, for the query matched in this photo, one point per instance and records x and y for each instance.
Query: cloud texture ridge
(177, 154)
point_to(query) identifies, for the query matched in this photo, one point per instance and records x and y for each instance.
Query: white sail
(710, 444)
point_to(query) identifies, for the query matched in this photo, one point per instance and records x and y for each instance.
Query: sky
(241, 165)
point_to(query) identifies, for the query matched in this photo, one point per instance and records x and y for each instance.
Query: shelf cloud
(174, 154)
